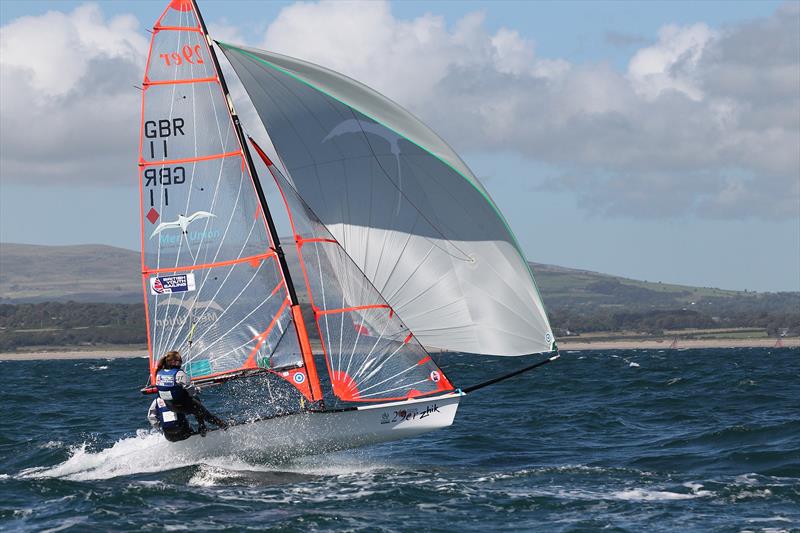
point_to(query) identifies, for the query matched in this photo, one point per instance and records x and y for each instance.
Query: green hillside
(98, 273)
(582, 290)
(37, 282)
(83, 273)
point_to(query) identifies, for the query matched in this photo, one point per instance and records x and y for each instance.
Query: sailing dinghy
(397, 250)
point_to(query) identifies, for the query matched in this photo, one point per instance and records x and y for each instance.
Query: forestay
(212, 283)
(401, 204)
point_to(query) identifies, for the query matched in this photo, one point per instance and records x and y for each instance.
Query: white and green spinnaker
(402, 204)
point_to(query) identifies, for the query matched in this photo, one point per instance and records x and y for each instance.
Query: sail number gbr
(190, 54)
(163, 177)
(161, 129)
(155, 130)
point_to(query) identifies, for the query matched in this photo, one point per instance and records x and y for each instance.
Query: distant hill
(583, 290)
(82, 273)
(98, 273)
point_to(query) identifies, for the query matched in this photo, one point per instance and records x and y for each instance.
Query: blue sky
(588, 205)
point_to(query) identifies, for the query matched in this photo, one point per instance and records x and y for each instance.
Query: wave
(650, 495)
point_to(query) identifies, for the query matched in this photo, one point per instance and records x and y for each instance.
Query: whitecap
(770, 519)
(645, 495)
(748, 494)
(208, 476)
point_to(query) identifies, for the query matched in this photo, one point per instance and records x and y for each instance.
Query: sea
(636, 440)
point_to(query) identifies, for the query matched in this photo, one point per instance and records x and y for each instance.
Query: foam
(647, 495)
(146, 452)
(149, 452)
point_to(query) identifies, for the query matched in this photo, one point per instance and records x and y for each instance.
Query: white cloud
(698, 122)
(67, 99)
(703, 120)
(671, 63)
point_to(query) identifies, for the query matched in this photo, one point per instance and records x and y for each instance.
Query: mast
(308, 357)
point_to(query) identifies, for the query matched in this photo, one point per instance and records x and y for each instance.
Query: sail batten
(402, 205)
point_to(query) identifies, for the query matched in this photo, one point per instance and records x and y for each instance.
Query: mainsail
(213, 282)
(399, 201)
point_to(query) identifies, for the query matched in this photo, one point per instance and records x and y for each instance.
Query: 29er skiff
(396, 247)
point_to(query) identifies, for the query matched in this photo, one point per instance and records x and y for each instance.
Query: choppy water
(630, 440)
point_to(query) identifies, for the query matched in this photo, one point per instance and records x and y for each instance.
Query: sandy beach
(564, 345)
(663, 344)
(116, 353)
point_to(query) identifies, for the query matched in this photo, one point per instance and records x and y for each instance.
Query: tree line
(655, 322)
(75, 323)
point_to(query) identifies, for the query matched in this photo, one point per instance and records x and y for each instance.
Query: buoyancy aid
(168, 387)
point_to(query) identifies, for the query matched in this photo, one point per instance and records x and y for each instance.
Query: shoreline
(62, 353)
(71, 353)
(664, 344)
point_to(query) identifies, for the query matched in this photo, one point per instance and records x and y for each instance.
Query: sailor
(177, 391)
(174, 426)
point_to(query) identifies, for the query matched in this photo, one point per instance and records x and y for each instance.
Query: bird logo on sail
(182, 223)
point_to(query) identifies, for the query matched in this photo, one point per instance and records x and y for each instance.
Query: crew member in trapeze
(180, 396)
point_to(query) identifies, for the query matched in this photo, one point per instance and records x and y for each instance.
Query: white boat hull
(310, 432)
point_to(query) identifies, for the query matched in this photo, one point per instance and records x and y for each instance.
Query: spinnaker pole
(308, 358)
(478, 386)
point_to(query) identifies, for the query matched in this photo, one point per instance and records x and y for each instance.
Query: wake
(145, 453)
(148, 452)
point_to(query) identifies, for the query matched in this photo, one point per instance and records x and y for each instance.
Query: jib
(163, 128)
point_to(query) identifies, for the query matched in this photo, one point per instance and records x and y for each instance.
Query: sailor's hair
(173, 359)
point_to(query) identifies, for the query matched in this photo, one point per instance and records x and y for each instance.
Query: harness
(168, 418)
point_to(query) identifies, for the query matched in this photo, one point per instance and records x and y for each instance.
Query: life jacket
(169, 419)
(168, 388)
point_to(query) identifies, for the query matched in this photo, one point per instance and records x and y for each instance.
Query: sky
(654, 140)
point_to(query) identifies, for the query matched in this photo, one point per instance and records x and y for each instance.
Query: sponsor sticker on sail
(170, 284)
